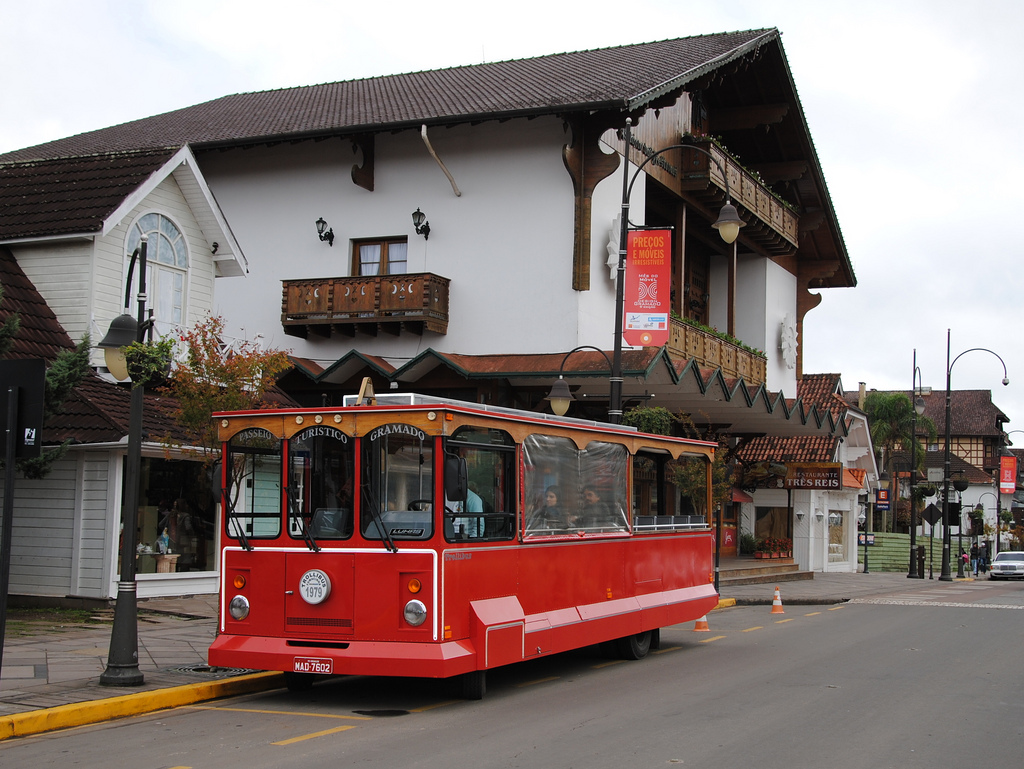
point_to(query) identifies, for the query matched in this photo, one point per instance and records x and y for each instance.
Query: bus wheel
(298, 682)
(473, 685)
(634, 647)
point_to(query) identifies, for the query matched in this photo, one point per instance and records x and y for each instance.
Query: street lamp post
(123, 656)
(560, 397)
(918, 403)
(728, 225)
(862, 520)
(944, 574)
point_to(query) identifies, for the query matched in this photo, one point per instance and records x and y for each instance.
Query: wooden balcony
(415, 303)
(770, 223)
(710, 351)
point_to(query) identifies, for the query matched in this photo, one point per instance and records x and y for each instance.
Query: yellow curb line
(725, 603)
(81, 713)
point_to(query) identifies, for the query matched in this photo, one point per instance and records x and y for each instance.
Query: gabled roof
(973, 412)
(97, 411)
(822, 391)
(732, 72)
(85, 196)
(621, 79)
(41, 335)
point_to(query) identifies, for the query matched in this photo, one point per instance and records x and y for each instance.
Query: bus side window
(486, 509)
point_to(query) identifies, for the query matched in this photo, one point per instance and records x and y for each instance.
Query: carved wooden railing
(774, 225)
(710, 351)
(415, 302)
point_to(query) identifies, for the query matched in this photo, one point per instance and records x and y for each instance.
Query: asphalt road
(922, 681)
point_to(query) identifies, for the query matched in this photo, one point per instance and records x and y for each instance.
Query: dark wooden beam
(362, 175)
(741, 118)
(780, 172)
(587, 164)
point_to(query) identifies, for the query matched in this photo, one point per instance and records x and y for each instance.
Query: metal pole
(960, 537)
(10, 443)
(912, 573)
(615, 381)
(123, 656)
(944, 574)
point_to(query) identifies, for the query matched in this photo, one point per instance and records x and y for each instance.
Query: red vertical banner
(1007, 475)
(648, 288)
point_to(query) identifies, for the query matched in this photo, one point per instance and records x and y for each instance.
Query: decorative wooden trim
(587, 165)
(807, 301)
(362, 175)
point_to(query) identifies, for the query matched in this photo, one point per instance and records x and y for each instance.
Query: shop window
(176, 519)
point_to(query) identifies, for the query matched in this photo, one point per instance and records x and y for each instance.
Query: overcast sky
(915, 109)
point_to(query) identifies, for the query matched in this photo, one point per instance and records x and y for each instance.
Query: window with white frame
(166, 268)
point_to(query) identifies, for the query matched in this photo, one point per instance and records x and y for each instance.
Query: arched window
(167, 268)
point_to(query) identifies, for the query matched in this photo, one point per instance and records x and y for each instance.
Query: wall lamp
(324, 232)
(419, 221)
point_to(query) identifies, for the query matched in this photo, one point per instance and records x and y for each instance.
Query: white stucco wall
(505, 243)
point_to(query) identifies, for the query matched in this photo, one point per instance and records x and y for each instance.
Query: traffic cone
(701, 625)
(777, 602)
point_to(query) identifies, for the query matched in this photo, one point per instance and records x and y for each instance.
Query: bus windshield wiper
(371, 504)
(293, 512)
(233, 516)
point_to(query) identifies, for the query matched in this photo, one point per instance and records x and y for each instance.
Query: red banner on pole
(1007, 475)
(648, 288)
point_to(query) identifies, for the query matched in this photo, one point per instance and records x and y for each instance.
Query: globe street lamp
(560, 397)
(944, 575)
(123, 656)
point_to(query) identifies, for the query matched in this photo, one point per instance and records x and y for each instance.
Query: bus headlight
(239, 607)
(415, 613)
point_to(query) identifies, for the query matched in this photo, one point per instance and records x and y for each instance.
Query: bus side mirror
(456, 478)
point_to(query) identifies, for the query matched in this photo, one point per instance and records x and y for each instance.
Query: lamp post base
(123, 657)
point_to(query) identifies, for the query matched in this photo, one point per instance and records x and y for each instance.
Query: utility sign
(28, 377)
(647, 288)
(881, 499)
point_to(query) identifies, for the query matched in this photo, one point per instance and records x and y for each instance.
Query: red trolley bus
(417, 536)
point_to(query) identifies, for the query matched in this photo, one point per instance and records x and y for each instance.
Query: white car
(1009, 563)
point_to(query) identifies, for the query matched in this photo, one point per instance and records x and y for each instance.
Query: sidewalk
(51, 680)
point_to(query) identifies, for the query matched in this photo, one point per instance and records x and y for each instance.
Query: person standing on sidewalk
(974, 559)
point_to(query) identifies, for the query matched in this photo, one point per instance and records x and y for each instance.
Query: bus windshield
(397, 483)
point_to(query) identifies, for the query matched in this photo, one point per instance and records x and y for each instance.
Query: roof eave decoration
(711, 399)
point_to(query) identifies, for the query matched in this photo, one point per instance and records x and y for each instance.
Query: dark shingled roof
(622, 79)
(97, 410)
(821, 391)
(65, 196)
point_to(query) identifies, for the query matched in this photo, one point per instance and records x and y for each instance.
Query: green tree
(687, 475)
(891, 418)
(64, 373)
(216, 377)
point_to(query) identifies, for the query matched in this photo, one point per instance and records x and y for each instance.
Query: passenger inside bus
(549, 518)
(597, 514)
